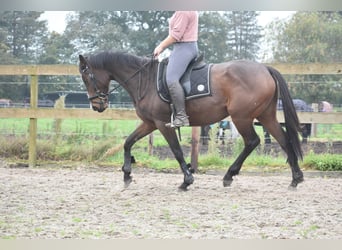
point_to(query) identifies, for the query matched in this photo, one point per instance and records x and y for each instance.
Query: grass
(70, 126)
(323, 162)
(328, 132)
(308, 231)
(101, 141)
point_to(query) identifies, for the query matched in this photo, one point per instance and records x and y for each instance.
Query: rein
(102, 96)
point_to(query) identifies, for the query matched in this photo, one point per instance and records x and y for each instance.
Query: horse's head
(96, 82)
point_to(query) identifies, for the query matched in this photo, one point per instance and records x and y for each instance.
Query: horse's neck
(138, 81)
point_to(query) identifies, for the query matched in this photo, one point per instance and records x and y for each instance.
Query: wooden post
(33, 121)
(150, 144)
(314, 125)
(195, 147)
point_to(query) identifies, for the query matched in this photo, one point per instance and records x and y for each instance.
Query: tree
(147, 30)
(229, 35)
(213, 37)
(91, 31)
(22, 36)
(310, 37)
(6, 57)
(243, 34)
(132, 31)
(25, 34)
(57, 50)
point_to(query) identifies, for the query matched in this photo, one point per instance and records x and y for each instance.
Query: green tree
(243, 35)
(147, 30)
(92, 31)
(57, 50)
(6, 57)
(213, 36)
(229, 35)
(25, 34)
(310, 37)
(22, 36)
(132, 31)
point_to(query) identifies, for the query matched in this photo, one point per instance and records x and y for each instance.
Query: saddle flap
(195, 82)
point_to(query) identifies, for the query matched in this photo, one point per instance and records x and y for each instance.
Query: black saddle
(195, 80)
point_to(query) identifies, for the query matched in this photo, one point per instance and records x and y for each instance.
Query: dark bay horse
(244, 90)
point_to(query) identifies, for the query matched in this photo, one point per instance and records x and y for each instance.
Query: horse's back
(243, 75)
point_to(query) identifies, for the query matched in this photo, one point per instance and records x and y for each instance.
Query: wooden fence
(33, 113)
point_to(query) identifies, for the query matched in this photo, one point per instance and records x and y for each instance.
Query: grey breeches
(182, 54)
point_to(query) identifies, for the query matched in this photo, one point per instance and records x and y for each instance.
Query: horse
(242, 89)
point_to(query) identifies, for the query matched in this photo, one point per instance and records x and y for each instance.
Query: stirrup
(177, 122)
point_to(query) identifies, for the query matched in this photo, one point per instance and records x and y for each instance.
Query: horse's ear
(83, 62)
(82, 59)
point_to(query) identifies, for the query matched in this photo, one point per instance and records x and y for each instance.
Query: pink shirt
(183, 26)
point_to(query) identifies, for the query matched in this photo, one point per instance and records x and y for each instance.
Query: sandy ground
(89, 202)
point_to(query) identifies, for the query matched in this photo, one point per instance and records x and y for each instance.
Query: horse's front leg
(171, 137)
(141, 131)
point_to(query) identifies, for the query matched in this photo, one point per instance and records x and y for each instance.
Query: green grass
(70, 126)
(323, 162)
(328, 132)
(102, 141)
(122, 128)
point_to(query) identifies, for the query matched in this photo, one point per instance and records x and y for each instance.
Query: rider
(183, 34)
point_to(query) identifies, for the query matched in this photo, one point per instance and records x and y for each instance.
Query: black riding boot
(178, 99)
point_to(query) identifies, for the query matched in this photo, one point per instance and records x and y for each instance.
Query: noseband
(98, 93)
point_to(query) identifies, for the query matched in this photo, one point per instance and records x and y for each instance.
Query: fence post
(33, 121)
(195, 138)
(314, 125)
(150, 144)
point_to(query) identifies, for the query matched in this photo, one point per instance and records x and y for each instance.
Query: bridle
(103, 96)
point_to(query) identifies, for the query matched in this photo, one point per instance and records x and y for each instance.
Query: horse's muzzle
(99, 106)
(99, 109)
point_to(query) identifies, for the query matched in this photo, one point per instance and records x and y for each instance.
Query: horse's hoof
(189, 179)
(183, 187)
(227, 183)
(300, 180)
(293, 186)
(295, 182)
(127, 181)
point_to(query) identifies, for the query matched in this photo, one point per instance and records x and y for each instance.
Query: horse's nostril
(95, 108)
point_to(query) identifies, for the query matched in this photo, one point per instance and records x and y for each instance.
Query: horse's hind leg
(141, 131)
(275, 129)
(251, 141)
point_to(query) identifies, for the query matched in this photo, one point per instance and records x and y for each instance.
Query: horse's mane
(108, 59)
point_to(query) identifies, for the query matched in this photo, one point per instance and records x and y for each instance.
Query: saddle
(195, 80)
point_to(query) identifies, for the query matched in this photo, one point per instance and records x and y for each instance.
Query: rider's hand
(157, 51)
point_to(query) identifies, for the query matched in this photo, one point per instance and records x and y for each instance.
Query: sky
(56, 19)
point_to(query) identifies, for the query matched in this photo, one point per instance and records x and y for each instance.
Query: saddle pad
(197, 86)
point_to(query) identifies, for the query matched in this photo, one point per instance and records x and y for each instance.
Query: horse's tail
(292, 124)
